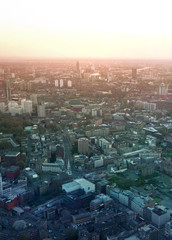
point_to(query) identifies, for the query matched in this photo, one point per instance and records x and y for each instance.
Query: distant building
(41, 111)
(77, 66)
(26, 105)
(2, 87)
(134, 73)
(34, 99)
(56, 82)
(163, 90)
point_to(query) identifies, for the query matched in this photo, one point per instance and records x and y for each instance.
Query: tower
(7, 90)
(69, 171)
(163, 90)
(77, 66)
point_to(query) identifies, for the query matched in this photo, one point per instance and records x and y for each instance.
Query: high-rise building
(41, 111)
(61, 83)
(2, 87)
(26, 105)
(56, 83)
(34, 99)
(83, 145)
(163, 90)
(77, 66)
(69, 83)
(134, 73)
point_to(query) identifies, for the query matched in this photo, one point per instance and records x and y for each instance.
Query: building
(2, 87)
(53, 167)
(134, 73)
(79, 184)
(99, 201)
(13, 157)
(34, 99)
(13, 172)
(31, 175)
(41, 111)
(82, 218)
(163, 90)
(83, 145)
(98, 161)
(71, 187)
(26, 105)
(2, 107)
(160, 217)
(77, 66)
(86, 185)
(56, 82)
(77, 108)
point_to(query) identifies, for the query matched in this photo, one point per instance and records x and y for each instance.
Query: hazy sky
(86, 28)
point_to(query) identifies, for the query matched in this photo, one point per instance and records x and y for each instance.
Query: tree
(4, 145)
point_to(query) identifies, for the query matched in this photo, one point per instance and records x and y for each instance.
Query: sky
(86, 28)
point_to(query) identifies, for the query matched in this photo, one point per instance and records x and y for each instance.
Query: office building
(163, 90)
(26, 105)
(41, 111)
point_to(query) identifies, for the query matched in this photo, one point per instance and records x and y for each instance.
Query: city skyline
(83, 29)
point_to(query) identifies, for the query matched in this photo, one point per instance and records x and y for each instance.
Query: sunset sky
(86, 28)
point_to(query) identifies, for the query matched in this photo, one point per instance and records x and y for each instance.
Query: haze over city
(85, 120)
(75, 28)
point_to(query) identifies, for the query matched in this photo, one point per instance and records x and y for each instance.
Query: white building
(71, 186)
(86, 185)
(160, 217)
(94, 112)
(56, 83)
(79, 184)
(104, 144)
(61, 83)
(69, 83)
(98, 161)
